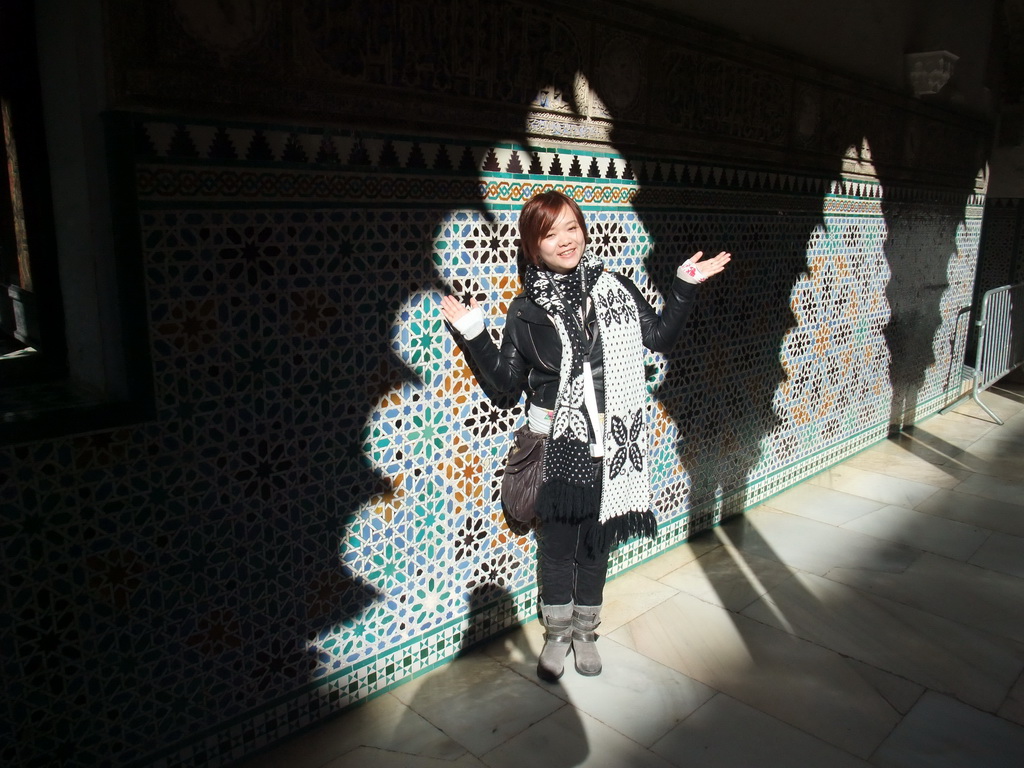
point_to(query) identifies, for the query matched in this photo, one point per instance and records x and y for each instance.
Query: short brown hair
(537, 217)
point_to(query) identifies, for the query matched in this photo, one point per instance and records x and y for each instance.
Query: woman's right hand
(453, 309)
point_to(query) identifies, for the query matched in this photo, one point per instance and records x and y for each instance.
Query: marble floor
(871, 616)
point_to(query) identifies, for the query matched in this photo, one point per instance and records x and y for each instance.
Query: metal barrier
(1000, 341)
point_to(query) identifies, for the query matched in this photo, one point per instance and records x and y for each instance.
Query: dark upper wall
(1008, 53)
(364, 64)
(867, 39)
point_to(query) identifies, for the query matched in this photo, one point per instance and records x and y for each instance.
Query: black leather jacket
(531, 352)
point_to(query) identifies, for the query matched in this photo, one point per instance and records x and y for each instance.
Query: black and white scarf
(570, 491)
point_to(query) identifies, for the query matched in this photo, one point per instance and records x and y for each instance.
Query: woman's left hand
(710, 267)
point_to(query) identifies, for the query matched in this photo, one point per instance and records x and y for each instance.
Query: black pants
(570, 571)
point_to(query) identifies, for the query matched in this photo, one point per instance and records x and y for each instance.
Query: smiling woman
(574, 340)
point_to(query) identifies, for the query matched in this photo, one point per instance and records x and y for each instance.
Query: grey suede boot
(585, 619)
(557, 620)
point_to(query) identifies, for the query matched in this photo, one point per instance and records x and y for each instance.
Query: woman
(574, 339)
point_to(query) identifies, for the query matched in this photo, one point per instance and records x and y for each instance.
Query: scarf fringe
(566, 503)
(621, 529)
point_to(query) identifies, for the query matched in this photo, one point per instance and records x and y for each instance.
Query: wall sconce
(929, 71)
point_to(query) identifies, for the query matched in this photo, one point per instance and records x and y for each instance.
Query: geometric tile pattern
(312, 516)
(1002, 263)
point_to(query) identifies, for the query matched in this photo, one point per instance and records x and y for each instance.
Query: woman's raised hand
(453, 309)
(711, 267)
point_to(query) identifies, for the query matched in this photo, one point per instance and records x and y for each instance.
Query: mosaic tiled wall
(312, 516)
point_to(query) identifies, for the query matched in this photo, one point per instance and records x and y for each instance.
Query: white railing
(1000, 341)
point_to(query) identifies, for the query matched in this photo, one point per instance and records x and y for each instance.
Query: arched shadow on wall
(721, 388)
(379, 309)
(316, 297)
(290, 471)
(921, 250)
(721, 380)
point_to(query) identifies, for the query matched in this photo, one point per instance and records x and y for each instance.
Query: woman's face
(562, 247)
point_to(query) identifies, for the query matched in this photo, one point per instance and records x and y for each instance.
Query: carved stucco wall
(312, 516)
(594, 72)
(868, 40)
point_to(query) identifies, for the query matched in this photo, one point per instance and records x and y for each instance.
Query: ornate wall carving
(551, 71)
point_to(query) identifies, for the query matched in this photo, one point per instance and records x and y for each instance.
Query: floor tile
(790, 679)
(813, 546)
(997, 488)
(517, 648)
(383, 723)
(874, 485)
(477, 701)
(922, 531)
(635, 695)
(621, 696)
(1010, 435)
(374, 757)
(934, 448)
(953, 429)
(964, 593)
(994, 456)
(572, 738)
(946, 656)
(976, 510)
(943, 733)
(1013, 708)
(1011, 388)
(901, 693)
(726, 732)
(1003, 407)
(1003, 553)
(823, 504)
(908, 466)
(1017, 420)
(728, 577)
(678, 556)
(629, 595)
(518, 651)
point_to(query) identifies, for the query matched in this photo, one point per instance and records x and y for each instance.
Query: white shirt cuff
(688, 272)
(471, 324)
